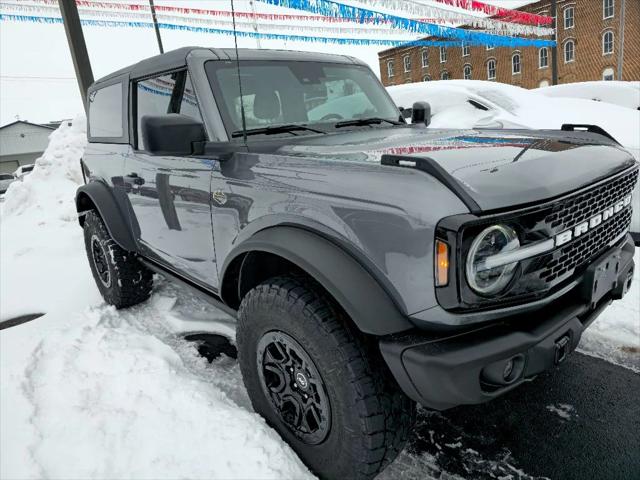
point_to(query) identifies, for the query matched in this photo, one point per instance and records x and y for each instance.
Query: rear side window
(105, 112)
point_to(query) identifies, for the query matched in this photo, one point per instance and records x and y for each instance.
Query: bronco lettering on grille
(593, 222)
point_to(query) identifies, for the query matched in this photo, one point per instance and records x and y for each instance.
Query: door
(170, 195)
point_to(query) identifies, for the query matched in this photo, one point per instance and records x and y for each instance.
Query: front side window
(425, 58)
(543, 57)
(516, 66)
(294, 92)
(608, 8)
(170, 93)
(407, 63)
(443, 54)
(466, 51)
(607, 43)
(467, 72)
(569, 51)
(105, 112)
(390, 68)
(491, 69)
(569, 20)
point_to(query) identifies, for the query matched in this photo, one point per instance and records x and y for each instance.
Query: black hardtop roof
(178, 58)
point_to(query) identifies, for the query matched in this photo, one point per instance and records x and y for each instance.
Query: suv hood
(497, 168)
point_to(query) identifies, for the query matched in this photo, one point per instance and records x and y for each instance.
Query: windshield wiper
(365, 121)
(290, 128)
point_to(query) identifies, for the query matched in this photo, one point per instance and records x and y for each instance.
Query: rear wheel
(121, 279)
(319, 382)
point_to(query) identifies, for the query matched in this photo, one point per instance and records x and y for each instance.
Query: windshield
(303, 93)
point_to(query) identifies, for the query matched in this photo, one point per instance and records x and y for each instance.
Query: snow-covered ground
(90, 392)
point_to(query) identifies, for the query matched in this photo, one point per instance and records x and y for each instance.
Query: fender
(362, 297)
(98, 194)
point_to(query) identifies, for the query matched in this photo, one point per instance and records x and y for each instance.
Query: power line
(34, 77)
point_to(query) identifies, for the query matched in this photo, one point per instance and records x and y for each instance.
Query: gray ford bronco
(371, 264)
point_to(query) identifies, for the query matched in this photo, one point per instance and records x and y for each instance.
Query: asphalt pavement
(579, 421)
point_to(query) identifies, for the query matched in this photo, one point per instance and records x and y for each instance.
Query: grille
(577, 253)
(578, 209)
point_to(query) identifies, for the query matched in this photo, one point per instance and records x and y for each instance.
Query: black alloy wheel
(292, 382)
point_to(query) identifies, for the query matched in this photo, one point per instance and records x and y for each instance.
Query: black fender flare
(98, 194)
(355, 289)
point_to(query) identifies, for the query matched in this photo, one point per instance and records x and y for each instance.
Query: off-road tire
(129, 282)
(370, 417)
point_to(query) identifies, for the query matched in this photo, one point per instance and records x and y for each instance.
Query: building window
(516, 67)
(608, 8)
(466, 51)
(544, 83)
(407, 63)
(569, 51)
(491, 69)
(608, 74)
(467, 72)
(443, 54)
(390, 68)
(426, 78)
(543, 58)
(425, 58)
(445, 76)
(569, 21)
(607, 43)
(490, 47)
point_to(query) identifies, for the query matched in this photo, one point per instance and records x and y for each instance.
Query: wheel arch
(279, 250)
(97, 196)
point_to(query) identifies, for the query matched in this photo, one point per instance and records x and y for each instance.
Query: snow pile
(624, 94)
(91, 392)
(50, 187)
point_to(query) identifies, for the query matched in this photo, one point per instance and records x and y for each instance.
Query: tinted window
(105, 112)
(5, 176)
(153, 98)
(171, 93)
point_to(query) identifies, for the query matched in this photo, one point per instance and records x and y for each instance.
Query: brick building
(588, 49)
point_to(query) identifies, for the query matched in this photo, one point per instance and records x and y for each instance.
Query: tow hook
(562, 349)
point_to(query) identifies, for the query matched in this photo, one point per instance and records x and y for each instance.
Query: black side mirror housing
(172, 134)
(421, 113)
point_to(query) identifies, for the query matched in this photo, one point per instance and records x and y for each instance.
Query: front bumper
(441, 370)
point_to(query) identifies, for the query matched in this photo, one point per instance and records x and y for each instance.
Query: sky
(37, 79)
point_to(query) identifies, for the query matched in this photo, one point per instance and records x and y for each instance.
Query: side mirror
(421, 113)
(171, 134)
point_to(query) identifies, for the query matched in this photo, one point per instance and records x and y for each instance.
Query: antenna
(235, 40)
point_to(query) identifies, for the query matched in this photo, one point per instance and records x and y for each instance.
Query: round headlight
(491, 241)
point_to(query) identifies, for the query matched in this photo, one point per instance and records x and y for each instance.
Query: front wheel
(319, 382)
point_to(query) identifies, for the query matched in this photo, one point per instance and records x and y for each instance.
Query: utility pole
(255, 23)
(554, 49)
(621, 41)
(77, 46)
(155, 25)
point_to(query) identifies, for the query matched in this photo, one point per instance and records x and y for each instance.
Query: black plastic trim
(360, 295)
(206, 294)
(111, 214)
(433, 168)
(576, 127)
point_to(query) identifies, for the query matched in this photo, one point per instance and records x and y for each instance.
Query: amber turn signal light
(442, 263)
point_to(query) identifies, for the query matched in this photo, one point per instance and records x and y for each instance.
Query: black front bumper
(445, 370)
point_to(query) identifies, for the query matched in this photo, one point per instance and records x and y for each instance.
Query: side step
(200, 291)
